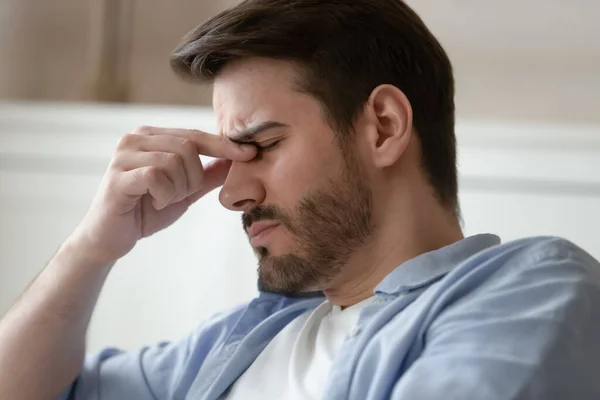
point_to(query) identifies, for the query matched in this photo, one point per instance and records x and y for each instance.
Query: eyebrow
(247, 135)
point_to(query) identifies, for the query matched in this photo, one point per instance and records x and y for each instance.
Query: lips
(258, 227)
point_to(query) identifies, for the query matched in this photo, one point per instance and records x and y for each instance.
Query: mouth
(259, 232)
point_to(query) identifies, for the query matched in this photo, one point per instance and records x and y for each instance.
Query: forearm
(152, 179)
(42, 338)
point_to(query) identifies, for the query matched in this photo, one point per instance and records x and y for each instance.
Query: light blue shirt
(474, 320)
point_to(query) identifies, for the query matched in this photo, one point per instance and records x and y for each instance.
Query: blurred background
(76, 75)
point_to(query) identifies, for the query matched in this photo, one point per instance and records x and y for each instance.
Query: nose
(241, 190)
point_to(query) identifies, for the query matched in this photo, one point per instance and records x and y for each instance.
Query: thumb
(215, 174)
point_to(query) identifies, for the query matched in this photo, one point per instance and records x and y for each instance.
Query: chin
(290, 273)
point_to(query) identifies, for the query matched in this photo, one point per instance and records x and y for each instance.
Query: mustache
(260, 213)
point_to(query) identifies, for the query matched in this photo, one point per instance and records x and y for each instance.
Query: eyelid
(267, 143)
(271, 144)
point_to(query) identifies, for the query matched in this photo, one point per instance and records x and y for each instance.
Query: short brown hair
(345, 48)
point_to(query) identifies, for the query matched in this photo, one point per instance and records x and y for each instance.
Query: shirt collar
(429, 267)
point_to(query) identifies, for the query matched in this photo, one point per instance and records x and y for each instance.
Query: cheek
(288, 178)
(291, 174)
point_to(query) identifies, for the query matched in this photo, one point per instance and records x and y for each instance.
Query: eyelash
(263, 149)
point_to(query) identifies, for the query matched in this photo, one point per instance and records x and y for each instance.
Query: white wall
(516, 180)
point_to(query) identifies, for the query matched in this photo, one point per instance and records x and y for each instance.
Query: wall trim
(79, 138)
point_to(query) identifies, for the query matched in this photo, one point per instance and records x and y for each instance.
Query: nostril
(242, 204)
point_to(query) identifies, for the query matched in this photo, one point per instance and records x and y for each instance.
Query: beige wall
(49, 49)
(514, 60)
(160, 26)
(43, 48)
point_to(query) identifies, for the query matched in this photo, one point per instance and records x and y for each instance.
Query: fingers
(206, 144)
(149, 179)
(169, 164)
(183, 148)
(154, 181)
(215, 174)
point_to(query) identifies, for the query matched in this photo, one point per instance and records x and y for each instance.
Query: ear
(390, 117)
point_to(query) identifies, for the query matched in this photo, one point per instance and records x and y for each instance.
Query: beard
(327, 226)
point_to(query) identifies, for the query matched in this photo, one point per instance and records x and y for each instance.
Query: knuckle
(118, 161)
(173, 161)
(151, 174)
(127, 141)
(142, 130)
(115, 163)
(197, 132)
(189, 147)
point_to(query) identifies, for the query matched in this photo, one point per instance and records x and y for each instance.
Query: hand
(154, 176)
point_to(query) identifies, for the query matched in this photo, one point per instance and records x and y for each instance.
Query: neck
(396, 238)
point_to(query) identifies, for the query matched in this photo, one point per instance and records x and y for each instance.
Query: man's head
(348, 103)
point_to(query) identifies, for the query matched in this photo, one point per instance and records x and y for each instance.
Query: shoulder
(519, 320)
(536, 275)
(534, 257)
(530, 310)
(539, 248)
(543, 275)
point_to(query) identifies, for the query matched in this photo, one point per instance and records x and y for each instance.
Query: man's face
(306, 203)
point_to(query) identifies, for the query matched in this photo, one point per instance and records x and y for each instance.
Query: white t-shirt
(295, 364)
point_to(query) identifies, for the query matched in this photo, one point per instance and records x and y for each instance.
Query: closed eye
(270, 146)
(260, 147)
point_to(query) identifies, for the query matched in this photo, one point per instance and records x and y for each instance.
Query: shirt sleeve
(115, 374)
(150, 373)
(529, 331)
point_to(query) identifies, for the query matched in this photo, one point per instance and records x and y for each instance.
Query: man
(336, 144)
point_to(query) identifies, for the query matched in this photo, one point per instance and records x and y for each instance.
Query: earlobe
(391, 114)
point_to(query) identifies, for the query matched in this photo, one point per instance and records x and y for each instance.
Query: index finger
(207, 144)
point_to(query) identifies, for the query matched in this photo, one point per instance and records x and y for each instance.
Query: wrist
(82, 251)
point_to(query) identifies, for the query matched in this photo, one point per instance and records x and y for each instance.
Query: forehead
(255, 90)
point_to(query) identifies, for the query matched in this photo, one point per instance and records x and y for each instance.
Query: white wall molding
(79, 139)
